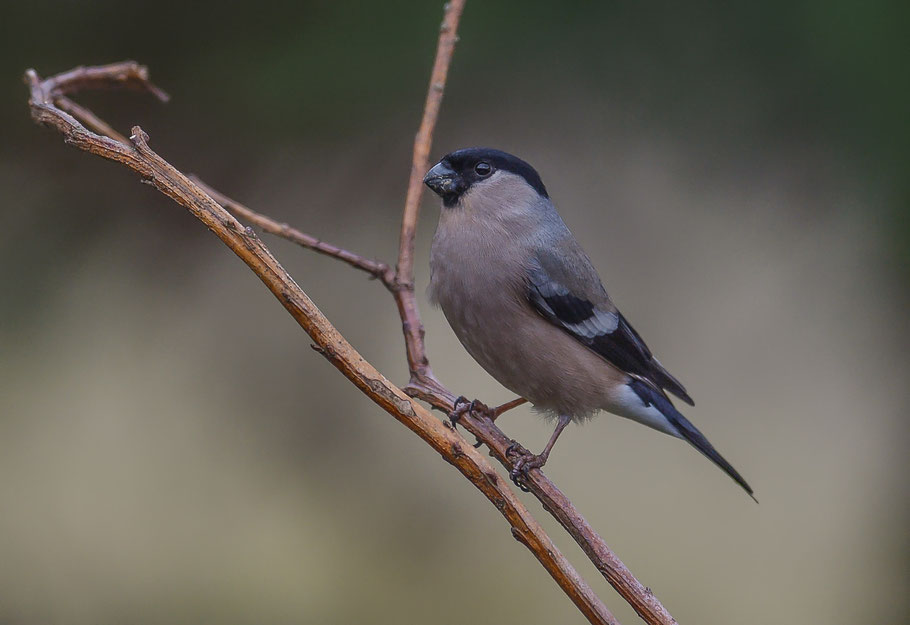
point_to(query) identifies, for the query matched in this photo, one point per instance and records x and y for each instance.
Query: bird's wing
(564, 288)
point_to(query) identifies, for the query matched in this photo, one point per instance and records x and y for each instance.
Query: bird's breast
(481, 287)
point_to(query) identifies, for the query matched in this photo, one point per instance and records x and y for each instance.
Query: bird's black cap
(457, 171)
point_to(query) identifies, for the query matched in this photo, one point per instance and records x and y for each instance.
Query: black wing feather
(606, 332)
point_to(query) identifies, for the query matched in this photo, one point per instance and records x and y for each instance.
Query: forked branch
(138, 156)
(51, 106)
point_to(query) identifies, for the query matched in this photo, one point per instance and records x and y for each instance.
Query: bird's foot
(463, 406)
(524, 462)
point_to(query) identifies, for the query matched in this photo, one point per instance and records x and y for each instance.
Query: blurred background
(172, 451)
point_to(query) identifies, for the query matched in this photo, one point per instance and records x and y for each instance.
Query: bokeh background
(171, 450)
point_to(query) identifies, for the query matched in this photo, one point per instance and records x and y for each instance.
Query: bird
(526, 303)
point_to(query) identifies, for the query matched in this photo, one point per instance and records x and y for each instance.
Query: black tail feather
(698, 440)
(655, 398)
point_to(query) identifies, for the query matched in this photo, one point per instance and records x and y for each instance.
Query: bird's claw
(524, 462)
(515, 449)
(463, 406)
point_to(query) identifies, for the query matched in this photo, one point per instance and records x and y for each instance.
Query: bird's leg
(495, 412)
(527, 461)
(462, 406)
(477, 407)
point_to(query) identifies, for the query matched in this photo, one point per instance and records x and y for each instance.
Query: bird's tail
(698, 440)
(688, 431)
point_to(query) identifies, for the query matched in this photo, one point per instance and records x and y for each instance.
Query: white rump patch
(627, 403)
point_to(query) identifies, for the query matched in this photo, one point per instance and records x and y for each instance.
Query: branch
(379, 270)
(418, 364)
(375, 268)
(557, 504)
(138, 156)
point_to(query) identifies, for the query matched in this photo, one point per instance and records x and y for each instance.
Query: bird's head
(478, 170)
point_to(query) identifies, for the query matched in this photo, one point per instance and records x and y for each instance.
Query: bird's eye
(483, 169)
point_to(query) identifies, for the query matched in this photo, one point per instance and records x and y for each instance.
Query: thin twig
(138, 156)
(89, 119)
(375, 268)
(418, 364)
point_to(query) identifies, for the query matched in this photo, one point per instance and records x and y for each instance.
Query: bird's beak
(441, 179)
